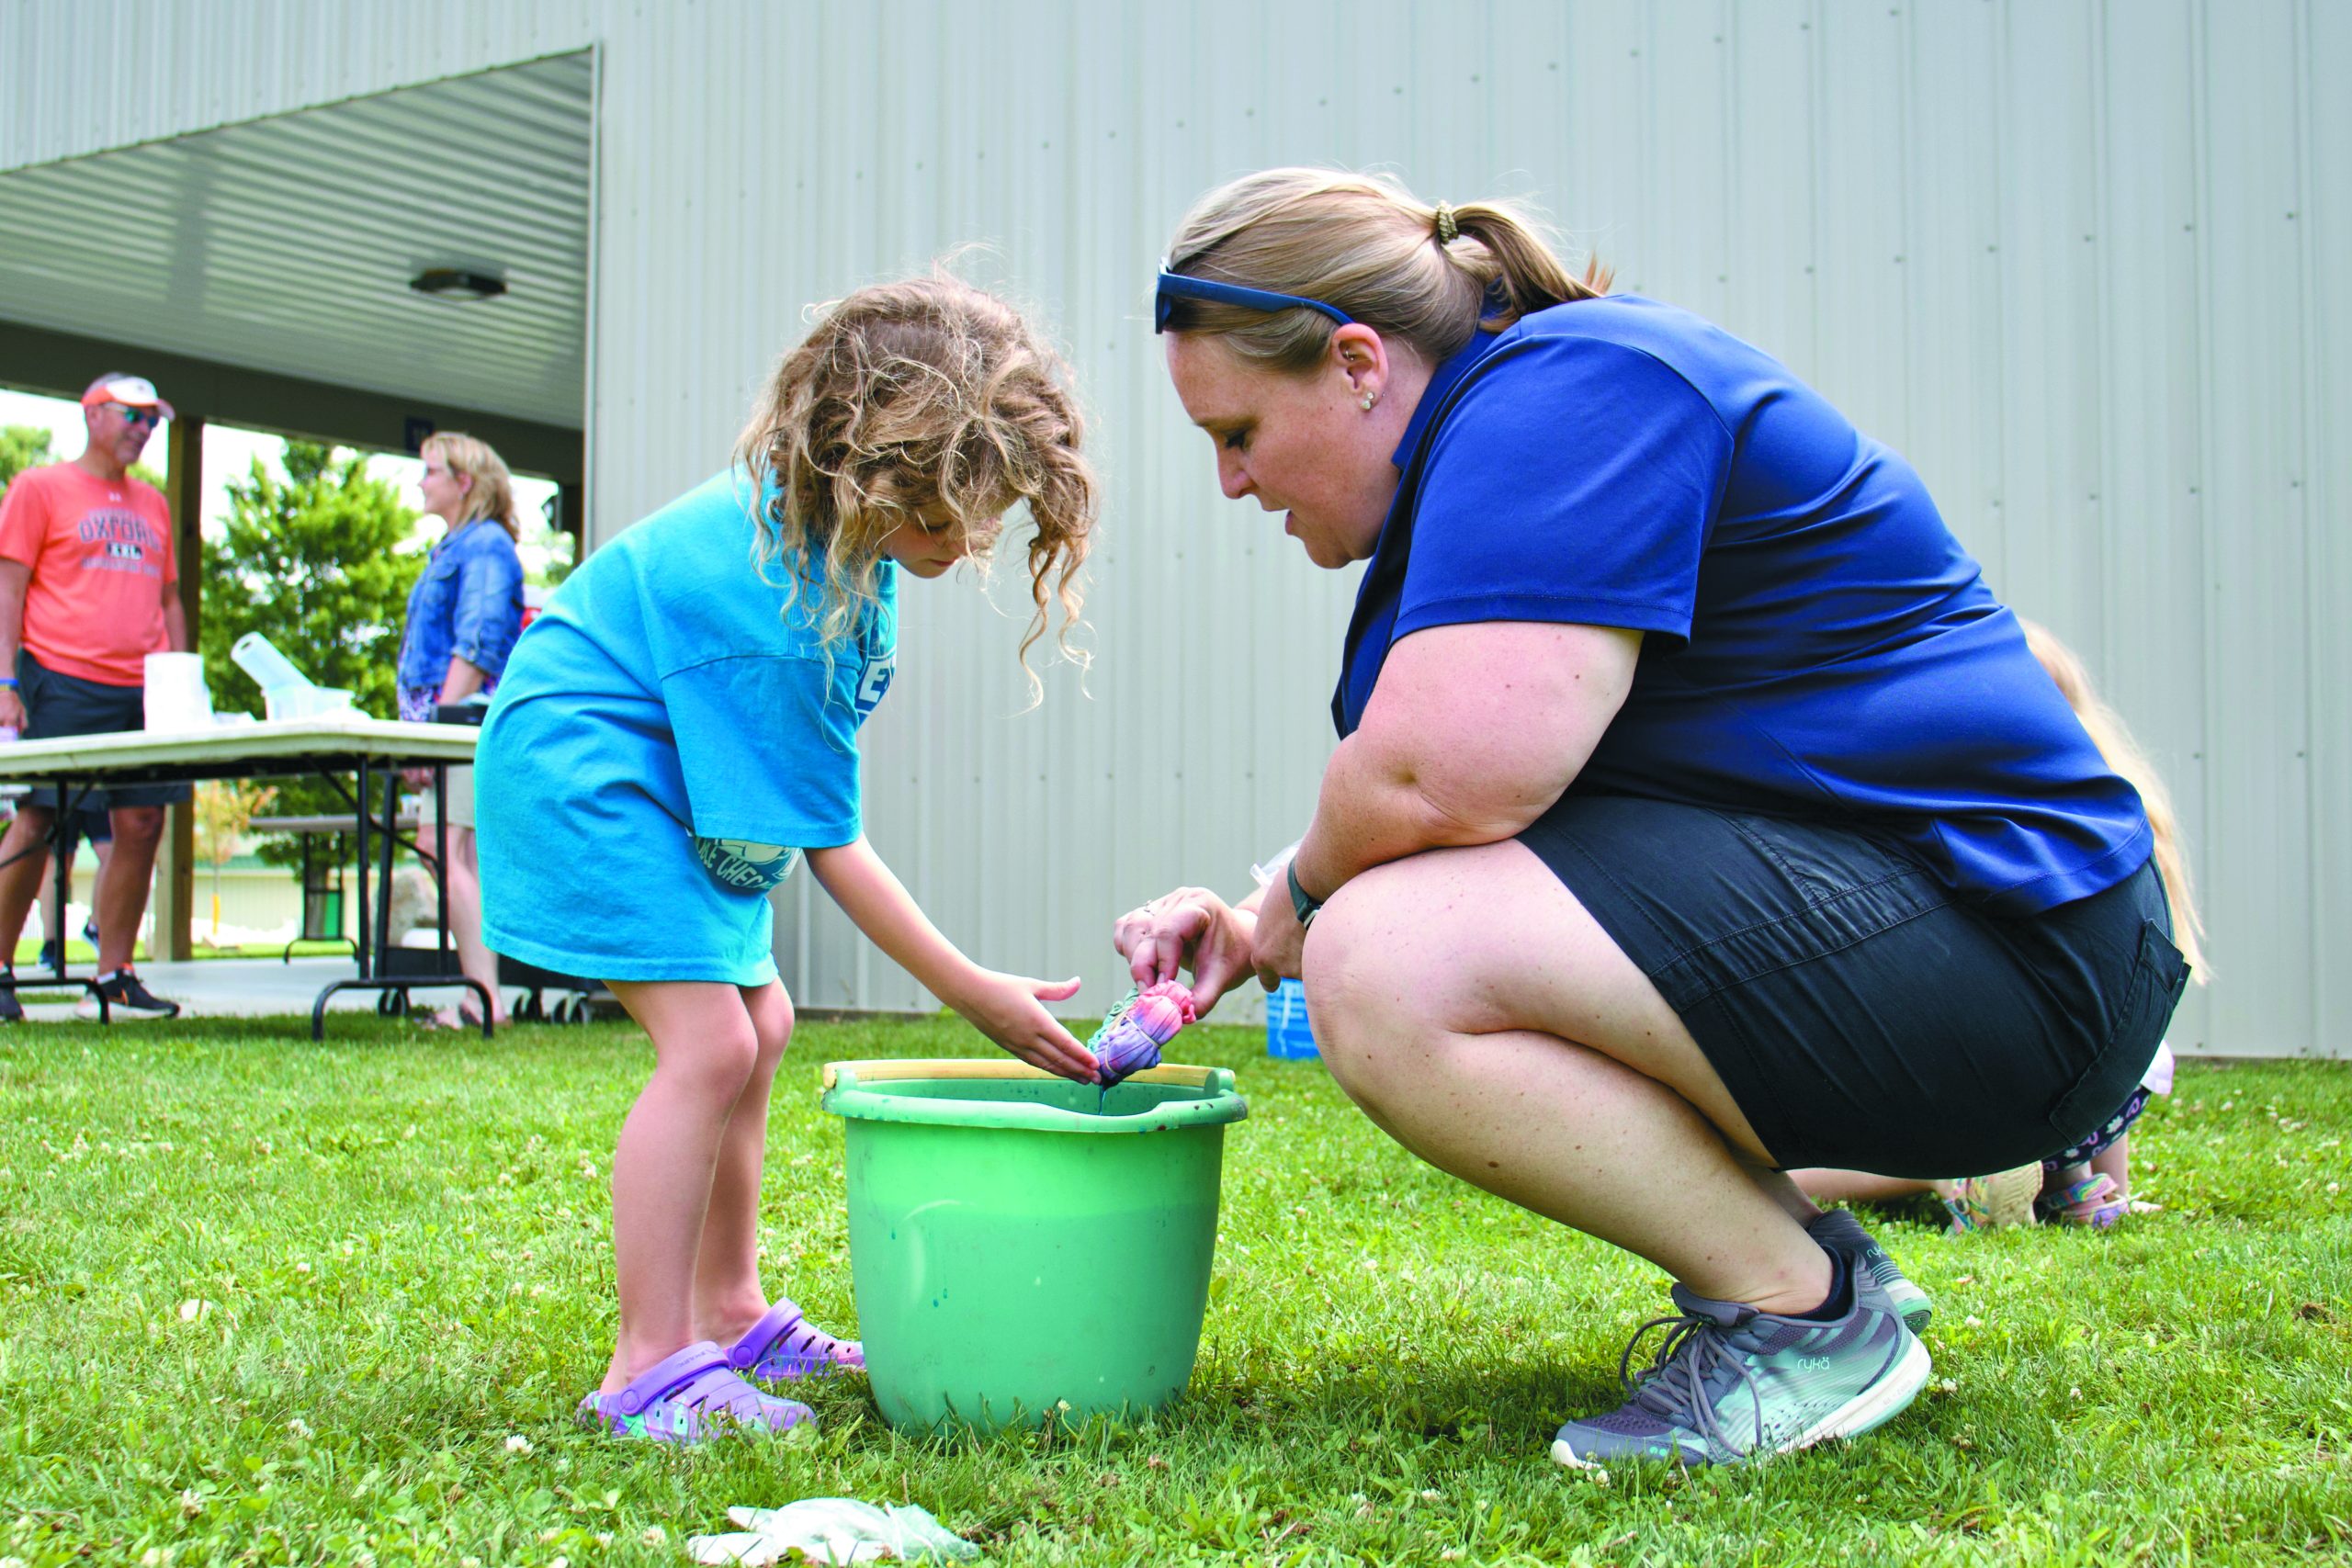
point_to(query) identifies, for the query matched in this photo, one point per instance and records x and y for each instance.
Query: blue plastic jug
(1288, 1035)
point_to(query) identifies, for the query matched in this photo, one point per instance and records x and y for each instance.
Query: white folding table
(66, 770)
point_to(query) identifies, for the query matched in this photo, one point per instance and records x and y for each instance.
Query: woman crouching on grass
(1697, 811)
(680, 726)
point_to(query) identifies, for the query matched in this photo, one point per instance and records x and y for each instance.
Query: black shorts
(1861, 1013)
(58, 705)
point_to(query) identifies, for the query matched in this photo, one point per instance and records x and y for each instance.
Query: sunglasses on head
(135, 416)
(1175, 286)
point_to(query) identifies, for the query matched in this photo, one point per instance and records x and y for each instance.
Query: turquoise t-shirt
(667, 737)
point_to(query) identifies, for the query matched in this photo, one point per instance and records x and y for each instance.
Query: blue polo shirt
(1815, 641)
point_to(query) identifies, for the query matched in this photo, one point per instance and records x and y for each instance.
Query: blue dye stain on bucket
(1288, 1035)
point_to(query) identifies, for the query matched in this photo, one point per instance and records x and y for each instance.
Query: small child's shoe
(2096, 1202)
(689, 1397)
(1989, 1202)
(784, 1343)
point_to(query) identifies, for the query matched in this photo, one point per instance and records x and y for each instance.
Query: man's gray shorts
(58, 705)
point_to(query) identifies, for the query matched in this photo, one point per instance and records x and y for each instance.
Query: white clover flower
(517, 1444)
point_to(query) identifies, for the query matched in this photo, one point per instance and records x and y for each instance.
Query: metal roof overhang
(287, 244)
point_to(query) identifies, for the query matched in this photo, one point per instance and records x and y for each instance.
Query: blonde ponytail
(1367, 245)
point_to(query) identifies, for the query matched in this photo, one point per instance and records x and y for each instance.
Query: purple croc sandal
(688, 1397)
(785, 1345)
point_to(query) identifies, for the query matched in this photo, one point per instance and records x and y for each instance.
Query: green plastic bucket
(1018, 1255)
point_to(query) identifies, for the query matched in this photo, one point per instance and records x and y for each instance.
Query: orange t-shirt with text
(101, 560)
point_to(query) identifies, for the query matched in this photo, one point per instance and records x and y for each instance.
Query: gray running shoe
(1838, 1231)
(1733, 1384)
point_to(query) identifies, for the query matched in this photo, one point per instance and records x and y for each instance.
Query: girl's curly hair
(908, 397)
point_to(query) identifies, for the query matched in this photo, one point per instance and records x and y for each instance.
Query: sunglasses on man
(135, 416)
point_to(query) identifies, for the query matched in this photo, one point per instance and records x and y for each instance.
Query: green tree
(225, 810)
(22, 447)
(25, 446)
(313, 562)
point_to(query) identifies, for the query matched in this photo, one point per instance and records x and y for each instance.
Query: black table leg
(62, 870)
(367, 942)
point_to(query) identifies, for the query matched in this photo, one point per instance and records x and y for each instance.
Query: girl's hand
(1010, 1009)
(1189, 928)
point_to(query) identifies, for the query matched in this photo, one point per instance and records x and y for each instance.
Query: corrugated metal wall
(2072, 259)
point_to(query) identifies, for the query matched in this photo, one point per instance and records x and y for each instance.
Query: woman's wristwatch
(1302, 904)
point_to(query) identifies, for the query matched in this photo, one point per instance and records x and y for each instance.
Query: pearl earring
(1368, 400)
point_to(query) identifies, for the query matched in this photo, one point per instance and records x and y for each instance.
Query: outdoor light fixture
(445, 280)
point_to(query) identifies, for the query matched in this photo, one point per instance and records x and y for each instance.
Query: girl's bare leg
(1826, 1185)
(729, 1297)
(2115, 1161)
(1482, 1016)
(705, 1050)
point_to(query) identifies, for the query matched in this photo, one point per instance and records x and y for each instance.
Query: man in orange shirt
(87, 590)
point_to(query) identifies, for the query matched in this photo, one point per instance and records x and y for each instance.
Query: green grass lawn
(265, 1301)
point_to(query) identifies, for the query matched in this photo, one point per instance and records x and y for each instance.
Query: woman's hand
(1189, 928)
(1277, 951)
(1010, 1009)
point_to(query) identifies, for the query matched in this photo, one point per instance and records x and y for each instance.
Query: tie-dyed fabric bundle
(1131, 1037)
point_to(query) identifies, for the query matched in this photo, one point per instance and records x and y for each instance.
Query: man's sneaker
(48, 959)
(11, 1010)
(126, 998)
(1838, 1231)
(1733, 1384)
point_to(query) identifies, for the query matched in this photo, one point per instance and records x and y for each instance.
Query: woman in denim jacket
(463, 617)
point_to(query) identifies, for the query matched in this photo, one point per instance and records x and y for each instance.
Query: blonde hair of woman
(489, 489)
(1429, 276)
